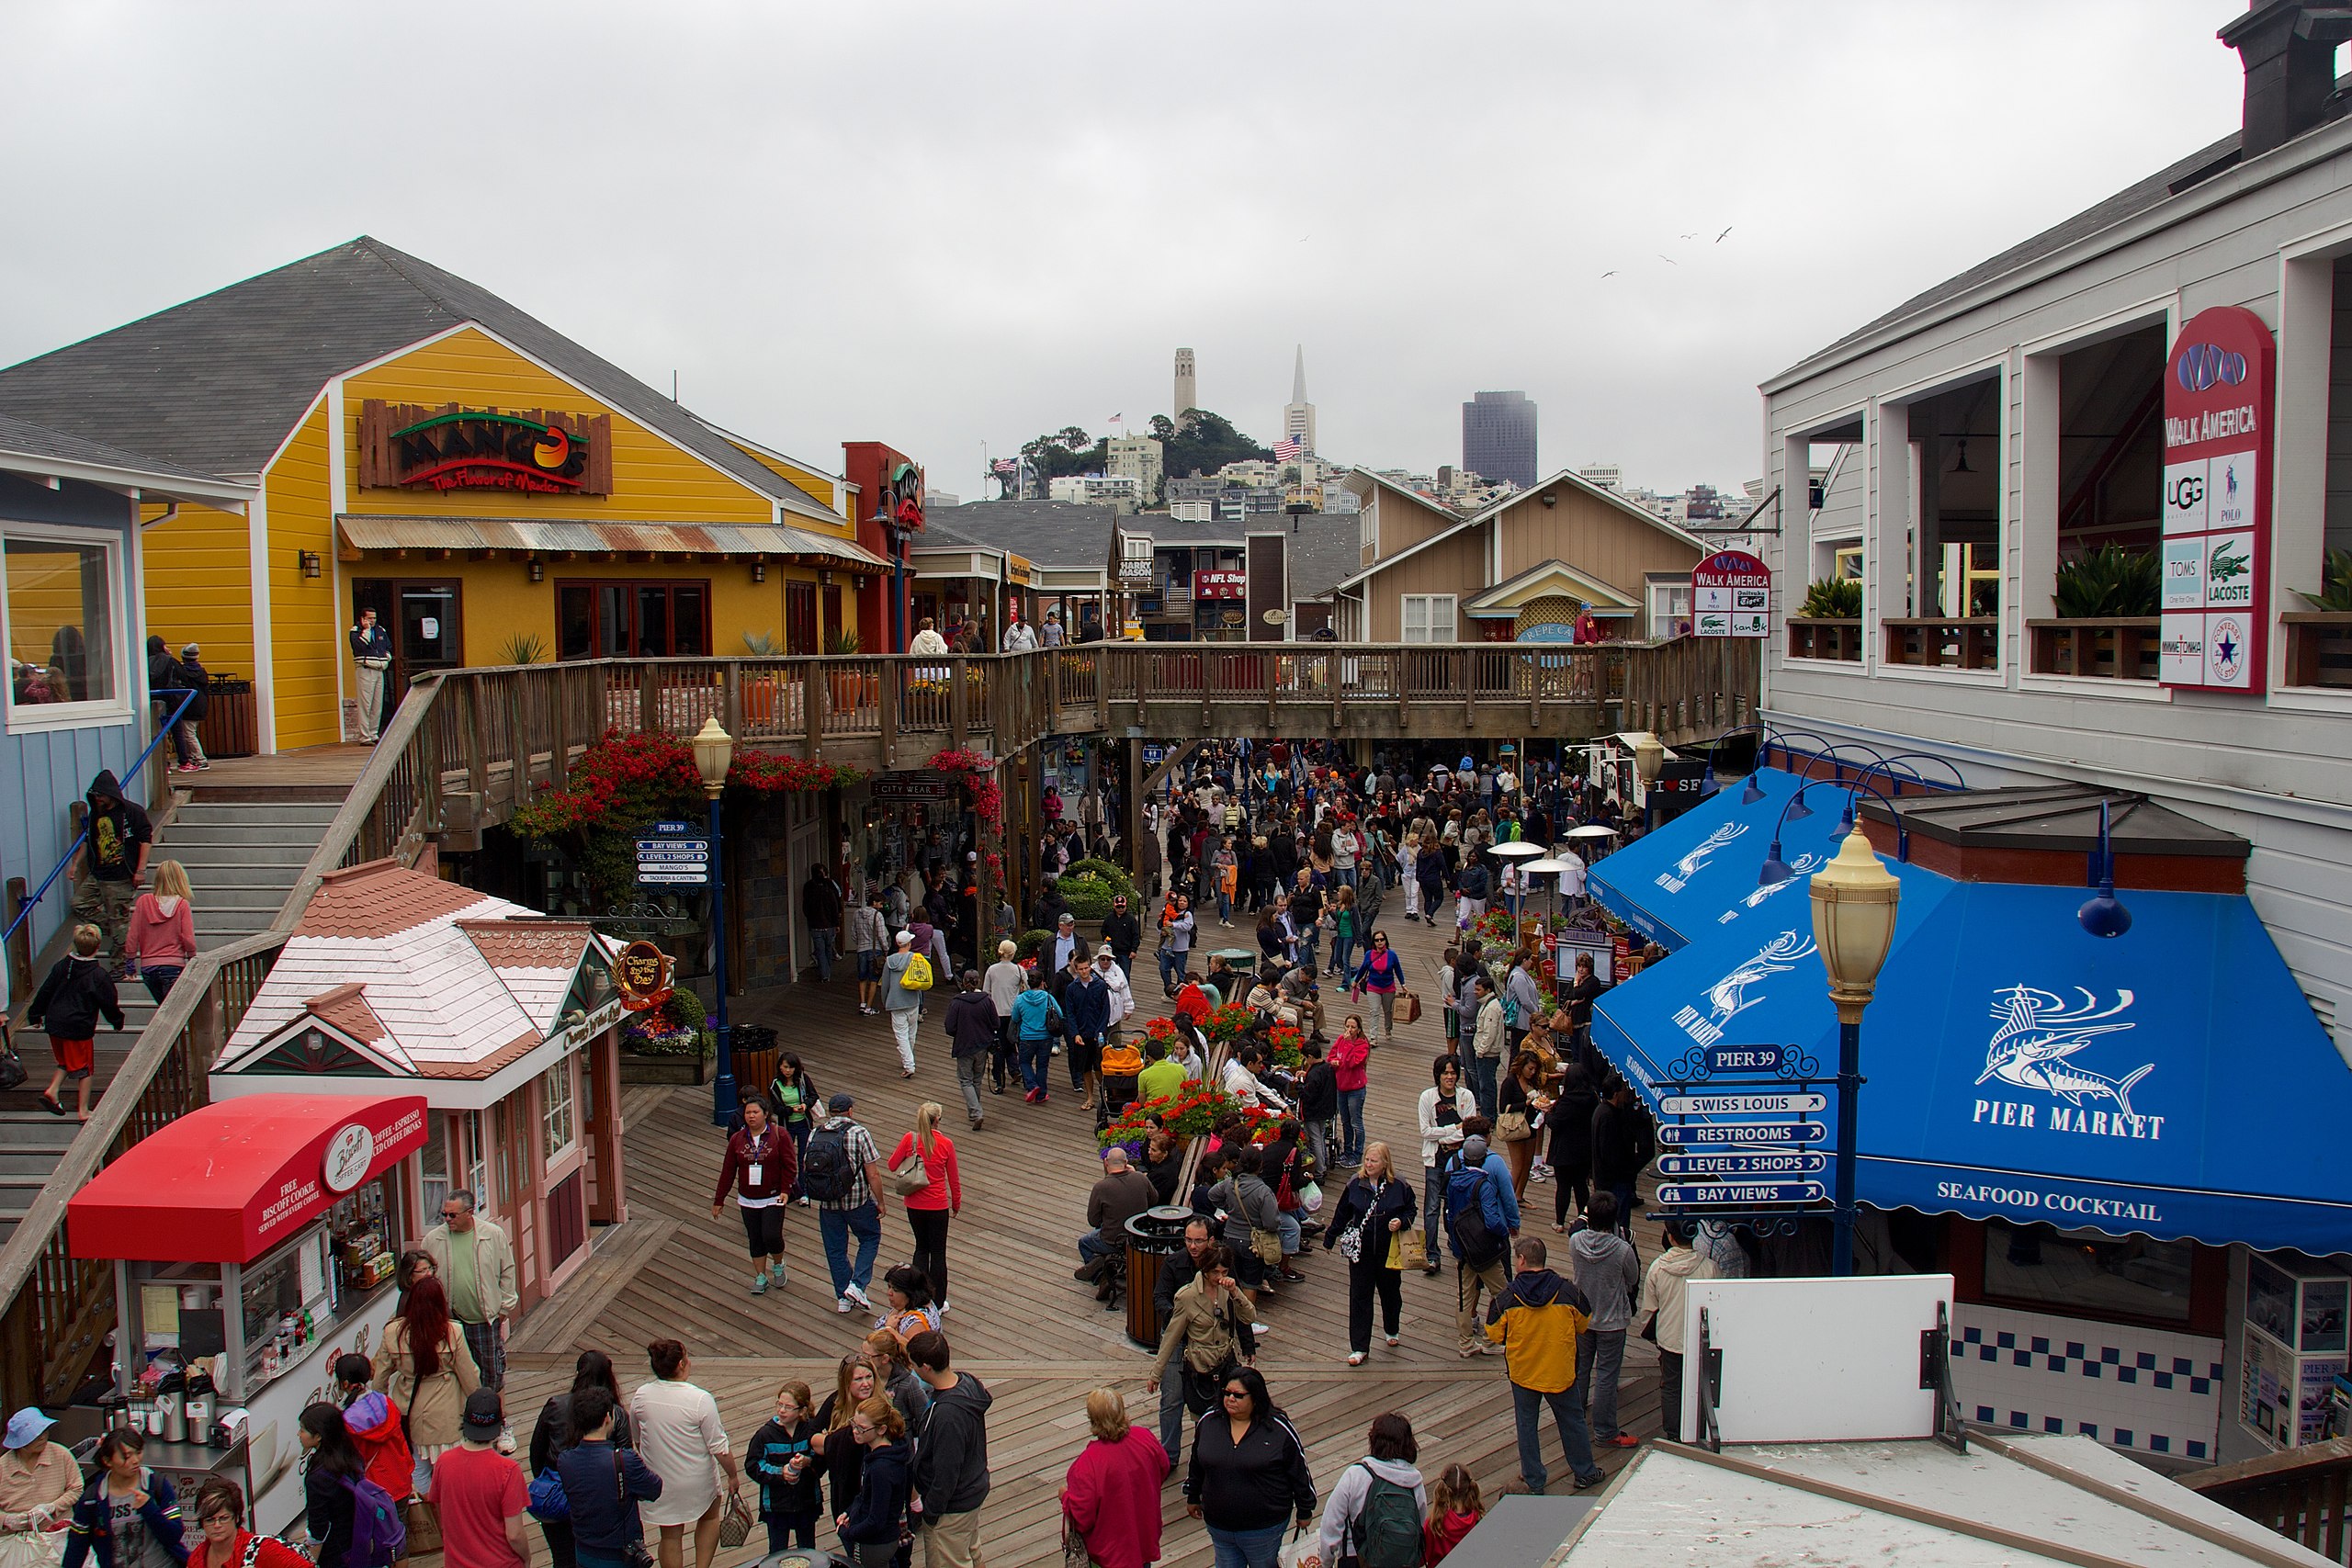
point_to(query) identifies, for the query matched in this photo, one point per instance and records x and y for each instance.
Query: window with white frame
(61, 617)
(1669, 609)
(1426, 617)
(559, 1125)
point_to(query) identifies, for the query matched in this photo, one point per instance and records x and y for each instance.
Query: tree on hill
(1206, 444)
(1069, 451)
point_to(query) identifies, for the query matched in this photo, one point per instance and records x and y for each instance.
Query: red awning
(226, 1183)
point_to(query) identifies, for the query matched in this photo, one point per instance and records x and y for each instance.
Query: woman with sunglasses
(871, 1528)
(226, 1543)
(1249, 1476)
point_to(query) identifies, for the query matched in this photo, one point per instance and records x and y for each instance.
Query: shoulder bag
(907, 1176)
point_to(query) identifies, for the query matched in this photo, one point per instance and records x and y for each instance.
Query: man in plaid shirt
(855, 1204)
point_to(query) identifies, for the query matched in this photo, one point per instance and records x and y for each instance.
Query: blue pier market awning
(2172, 1081)
(1699, 871)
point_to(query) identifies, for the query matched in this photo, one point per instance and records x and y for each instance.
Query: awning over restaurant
(1699, 872)
(2171, 1081)
(576, 536)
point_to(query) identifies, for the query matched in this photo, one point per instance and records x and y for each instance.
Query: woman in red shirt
(941, 1195)
(762, 1168)
(220, 1515)
(1111, 1496)
(1348, 1055)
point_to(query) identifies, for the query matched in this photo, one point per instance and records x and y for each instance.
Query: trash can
(1153, 1236)
(754, 1049)
(228, 727)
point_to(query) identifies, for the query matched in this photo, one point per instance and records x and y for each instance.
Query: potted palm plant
(759, 691)
(849, 689)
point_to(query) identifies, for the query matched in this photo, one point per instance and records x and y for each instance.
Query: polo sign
(2216, 503)
(1731, 595)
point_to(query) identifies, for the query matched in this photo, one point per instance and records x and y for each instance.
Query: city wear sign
(1731, 595)
(2218, 402)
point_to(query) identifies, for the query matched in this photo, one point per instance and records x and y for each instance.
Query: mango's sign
(404, 446)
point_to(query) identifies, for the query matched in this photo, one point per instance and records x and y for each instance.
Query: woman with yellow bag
(1372, 1228)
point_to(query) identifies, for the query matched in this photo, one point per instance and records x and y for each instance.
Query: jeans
(1469, 1327)
(1224, 906)
(1345, 876)
(1624, 1196)
(904, 1022)
(1171, 1409)
(159, 979)
(1035, 1056)
(1669, 1394)
(1483, 1071)
(1600, 1357)
(1171, 966)
(1343, 951)
(1091, 1247)
(1527, 1412)
(1248, 1549)
(782, 1528)
(1351, 1127)
(836, 1224)
(1308, 940)
(969, 1071)
(825, 937)
(1288, 1226)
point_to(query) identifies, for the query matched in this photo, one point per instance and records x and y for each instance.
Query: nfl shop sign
(2218, 402)
(1219, 584)
(1731, 595)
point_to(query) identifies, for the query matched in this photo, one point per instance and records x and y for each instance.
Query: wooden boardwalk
(1020, 1322)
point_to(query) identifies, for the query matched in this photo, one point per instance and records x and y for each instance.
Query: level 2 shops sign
(404, 446)
(2218, 404)
(1731, 595)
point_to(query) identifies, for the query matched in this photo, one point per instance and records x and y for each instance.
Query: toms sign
(2218, 402)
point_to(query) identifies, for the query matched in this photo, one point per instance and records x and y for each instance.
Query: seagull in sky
(1668, 259)
(1610, 273)
(1727, 229)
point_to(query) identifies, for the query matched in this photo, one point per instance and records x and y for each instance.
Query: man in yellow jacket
(1536, 1319)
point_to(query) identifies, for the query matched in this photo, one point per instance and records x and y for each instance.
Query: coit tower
(1188, 395)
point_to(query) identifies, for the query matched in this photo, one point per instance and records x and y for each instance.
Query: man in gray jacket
(1608, 1271)
(951, 1478)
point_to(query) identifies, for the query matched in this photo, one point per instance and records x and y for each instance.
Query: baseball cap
(25, 1425)
(1067, 919)
(485, 1417)
(841, 1102)
(905, 937)
(1473, 1148)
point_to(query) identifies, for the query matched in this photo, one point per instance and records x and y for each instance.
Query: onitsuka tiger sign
(2218, 402)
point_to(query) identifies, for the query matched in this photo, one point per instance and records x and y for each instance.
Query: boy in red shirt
(479, 1493)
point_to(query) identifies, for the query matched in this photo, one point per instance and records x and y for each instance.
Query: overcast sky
(944, 224)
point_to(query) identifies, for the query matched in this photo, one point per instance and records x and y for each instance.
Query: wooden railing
(1944, 642)
(2302, 1493)
(1816, 637)
(2114, 649)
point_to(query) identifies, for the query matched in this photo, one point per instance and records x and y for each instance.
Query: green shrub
(2107, 583)
(1834, 599)
(1119, 880)
(1032, 943)
(2335, 582)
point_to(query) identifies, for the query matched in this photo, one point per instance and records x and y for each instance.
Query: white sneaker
(1057, 1050)
(859, 1297)
(844, 1304)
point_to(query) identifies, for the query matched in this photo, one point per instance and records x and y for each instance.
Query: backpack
(1387, 1530)
(1480, 1243)
(824, 1166)
(916, 977)
(379, 1538)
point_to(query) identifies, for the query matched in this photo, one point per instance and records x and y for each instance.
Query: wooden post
(730, 698)
(648, 700)
(814, 700)
(889, 686)
(559, 730)
(960, 704)
(1131, 828)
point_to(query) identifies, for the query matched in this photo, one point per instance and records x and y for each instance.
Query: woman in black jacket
(1571, 1151)
(332, 1468)
(844, 1457)
(556, 1432)
(870, 1526)
(1372, 1212)
(1249, 1474)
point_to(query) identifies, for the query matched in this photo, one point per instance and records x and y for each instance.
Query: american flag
(1006, 465)
(1288, 448)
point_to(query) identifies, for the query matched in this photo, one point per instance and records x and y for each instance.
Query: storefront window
(59, 611)
(2087, 1273)
(801, 617)
(554, 1090)
(505, 1132)
(632, 620)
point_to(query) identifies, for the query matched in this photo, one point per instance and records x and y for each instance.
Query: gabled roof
(2127, 203)
(1374, 481)
(1056, 534)
(1325, 549)
(1552, 579)
(217, 383)
(1566, 478)
(27, 447)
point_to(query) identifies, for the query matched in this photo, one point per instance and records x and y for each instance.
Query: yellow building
(495, 491)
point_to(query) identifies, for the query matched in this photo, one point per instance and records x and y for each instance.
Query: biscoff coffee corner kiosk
(253, 1242)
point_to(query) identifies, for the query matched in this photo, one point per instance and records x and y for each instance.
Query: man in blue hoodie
(1481, 1244)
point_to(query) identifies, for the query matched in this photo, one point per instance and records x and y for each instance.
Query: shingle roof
(2128, 202)
(22, 437)
(218, 382)
(1069, 534)
(1326, 551)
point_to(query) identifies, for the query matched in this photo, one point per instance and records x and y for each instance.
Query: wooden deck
(1021, 1323)
(312, 774)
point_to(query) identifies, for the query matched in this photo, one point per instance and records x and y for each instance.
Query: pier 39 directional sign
(1753, 1150)
(673, 854)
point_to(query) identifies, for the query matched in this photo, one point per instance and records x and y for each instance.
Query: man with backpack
(906, 975)
(841, 1172)
(1537, 1319)
(479, 1493)
(1481, 1214)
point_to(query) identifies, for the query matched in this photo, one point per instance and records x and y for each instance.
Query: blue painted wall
(44, 773)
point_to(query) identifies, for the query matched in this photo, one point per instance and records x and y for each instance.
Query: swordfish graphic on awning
(1700, 871)
(2040, 1029)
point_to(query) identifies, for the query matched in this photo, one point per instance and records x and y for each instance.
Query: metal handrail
(82, 837)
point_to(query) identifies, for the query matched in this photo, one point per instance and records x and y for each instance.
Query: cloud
(940, 225)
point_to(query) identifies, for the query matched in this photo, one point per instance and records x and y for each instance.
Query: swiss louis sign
(2218, 403)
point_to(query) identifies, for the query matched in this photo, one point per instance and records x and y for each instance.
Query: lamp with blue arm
(2103, 914)
(1777, 870)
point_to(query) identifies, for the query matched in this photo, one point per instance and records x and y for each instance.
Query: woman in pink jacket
(1111, 1496)
(163, 932)
(1349, 1053)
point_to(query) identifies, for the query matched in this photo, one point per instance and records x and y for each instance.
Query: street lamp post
(1854, 902)
(714, 749)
